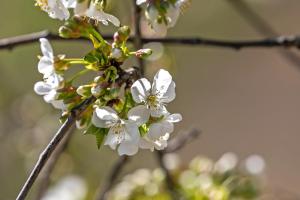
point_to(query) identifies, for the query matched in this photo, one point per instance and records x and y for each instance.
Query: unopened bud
(122, 34)
(84, 90)
(96, 90)
(143, 53)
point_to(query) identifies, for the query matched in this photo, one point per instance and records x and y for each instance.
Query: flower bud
(143, 53)
(122, 34)
(96, 90)
(84, 90)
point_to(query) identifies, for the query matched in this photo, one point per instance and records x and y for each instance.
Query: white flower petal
(157, 130)
(170, 94)
(139, 2)
(81, 8)
(42, 88)
(111, 139)
(128, 148)
(51, 96)
(174, 118)
(59, 104)
(146, 144)
(104, 117)
(158, 111)
(132, 132)
(139, 114)
(46, 48)
(45, 66)
(114, 20)
(140, 90)
(59, 11)
(69, 3)
(173, 13)
(161, 82)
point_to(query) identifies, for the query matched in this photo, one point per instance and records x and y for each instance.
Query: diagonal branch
(112, 176)
(44, 156)
(47, 171)
(281, 41)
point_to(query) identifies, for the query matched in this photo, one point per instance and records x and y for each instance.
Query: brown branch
(265, 29)
(47, 171)
(137, 38)
(181, 140)
(44, 156)
(281, 41)
(112, 177)
(171, 185)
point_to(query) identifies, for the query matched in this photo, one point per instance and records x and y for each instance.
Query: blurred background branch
(281, 41)
(262, 27)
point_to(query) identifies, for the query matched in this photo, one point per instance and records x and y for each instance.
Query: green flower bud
(84, 90)
(143, 53)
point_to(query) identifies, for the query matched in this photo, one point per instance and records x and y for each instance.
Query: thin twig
(281, 41)
(264, 28)
(137, 38)
(47, 171)
(181, 140)
(112, 177)
(171, 185)
(44, 156)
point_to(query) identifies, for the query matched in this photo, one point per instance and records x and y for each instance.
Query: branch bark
(44, 156)
(272, 42)
(264, 28)
(47, 171)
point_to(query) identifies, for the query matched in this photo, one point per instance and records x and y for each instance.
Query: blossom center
(118, 130)
(43, 4)
(152, 101)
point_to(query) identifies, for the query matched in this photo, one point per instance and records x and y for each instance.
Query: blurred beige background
(247, 101)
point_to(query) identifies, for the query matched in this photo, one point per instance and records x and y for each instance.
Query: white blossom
(48, 89)
(159, 132)
(172, 15)
(96, 12)
(122, 133)
(56, 9)
(155, 97)
(47, 61)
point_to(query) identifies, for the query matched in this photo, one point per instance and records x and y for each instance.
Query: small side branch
(112, 176)
(180, 141)
(281, 41)
(44, 156)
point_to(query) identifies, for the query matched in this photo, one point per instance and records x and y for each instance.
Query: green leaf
(100, 134)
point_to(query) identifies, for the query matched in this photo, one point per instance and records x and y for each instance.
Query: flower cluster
(127, 112)
(163, 14)
(60, 9)
(202, 180)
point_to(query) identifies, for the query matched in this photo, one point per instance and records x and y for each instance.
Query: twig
(171, 186)
(264, 28)
(281, 41)
(44, 156)
(180, 141)
(137, 38)
(47, 171)
(112, 176)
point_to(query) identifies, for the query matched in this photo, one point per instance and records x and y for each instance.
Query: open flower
(96, 12)
(155, 97)
(171, 16)
(122, 133)
(56, 9)
(48, 89)
(159, 132)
